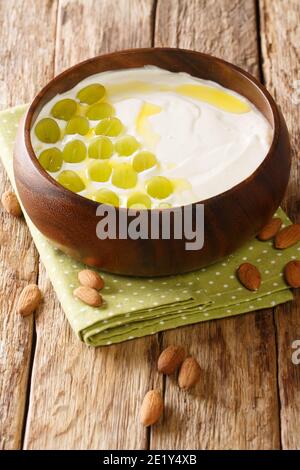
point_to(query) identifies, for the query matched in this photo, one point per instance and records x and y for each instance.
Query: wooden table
(54, 391)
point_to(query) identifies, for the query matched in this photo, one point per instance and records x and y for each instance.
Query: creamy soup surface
(150, 138)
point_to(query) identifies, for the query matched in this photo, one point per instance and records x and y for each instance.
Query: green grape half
(126, 146)
(51, 159)
(102, 147)
(143, 161)
(64, 109)
(124, 176)
(100, 171)
(139, 201)
(110, 126)
(70, 180)
(159, 187)
(74, 152)
(100, 111)
(77, 125)
(106, 196)
(47, 130)
(91, 93)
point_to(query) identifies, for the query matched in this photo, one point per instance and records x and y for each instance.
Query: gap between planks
(263, 81)
(19, 259)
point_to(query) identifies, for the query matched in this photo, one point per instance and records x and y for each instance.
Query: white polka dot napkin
(136, 307)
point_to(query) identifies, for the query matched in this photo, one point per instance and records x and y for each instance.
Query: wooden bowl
(231, 218)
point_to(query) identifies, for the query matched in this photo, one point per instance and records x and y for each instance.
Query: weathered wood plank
(26, 63)
(80, 397)
(280, 32)
(236, 403)
(87, 28)
(226, 28)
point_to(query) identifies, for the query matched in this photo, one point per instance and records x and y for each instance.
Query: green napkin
(136, 307)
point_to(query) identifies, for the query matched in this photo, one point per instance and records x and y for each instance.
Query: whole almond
(249, 276)
(189, 373)
(88, 295)
(152, 408)
(292, 273)
(29, 300)
(270, 229)
(170, 359)
(288, 236)
(11, 204)
(90, 278)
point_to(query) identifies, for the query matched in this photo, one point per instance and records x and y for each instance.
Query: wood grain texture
(87, 28)
(26, 57)
(236, 404)
(226, 28)
(280, 33)
(83, 398)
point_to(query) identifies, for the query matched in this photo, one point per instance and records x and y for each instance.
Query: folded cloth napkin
(136, 307)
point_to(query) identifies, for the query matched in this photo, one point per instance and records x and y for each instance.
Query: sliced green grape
(91, 93)
(100, 111)
(159, 187)
(139, 201)
(74, 152)
(64, 109)
(126, 146)
(143, 161)
(47, 130)
(100, 171)
(77, 125)
(124, 176)
(106, 196)
(102, 147)
(70, 180)
(111, 126)
(51, 159)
